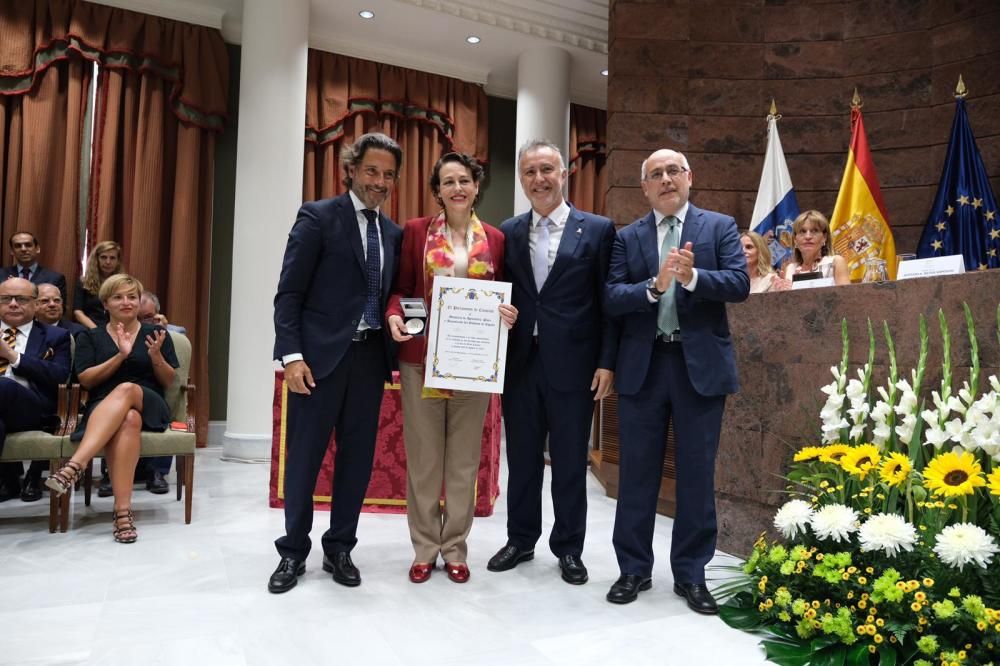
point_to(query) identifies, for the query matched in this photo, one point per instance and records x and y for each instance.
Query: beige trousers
(443, 447)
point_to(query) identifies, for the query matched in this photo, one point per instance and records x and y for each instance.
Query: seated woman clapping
(762, 275)
(814, 249)
(125, 365)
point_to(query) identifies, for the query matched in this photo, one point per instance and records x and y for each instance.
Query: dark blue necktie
(372, 315)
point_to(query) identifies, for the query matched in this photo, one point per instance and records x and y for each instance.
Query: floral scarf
(439, 259)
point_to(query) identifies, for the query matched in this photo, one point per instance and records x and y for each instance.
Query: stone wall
(698, 76)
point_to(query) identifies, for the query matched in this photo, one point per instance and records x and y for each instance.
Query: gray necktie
(540, 260)
(666, 319)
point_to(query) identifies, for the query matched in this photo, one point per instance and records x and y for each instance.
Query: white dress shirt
(20, 345)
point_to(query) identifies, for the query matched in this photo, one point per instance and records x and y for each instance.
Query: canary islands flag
(776, 207)
(859, 224)
(964, 217)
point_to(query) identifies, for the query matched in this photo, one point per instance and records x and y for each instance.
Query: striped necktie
(10, 338)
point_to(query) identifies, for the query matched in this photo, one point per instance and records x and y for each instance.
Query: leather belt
(666, 339)
(367, 334)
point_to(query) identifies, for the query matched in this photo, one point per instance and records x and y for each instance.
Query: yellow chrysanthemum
(860, 460)
(808, 453)
(994, 481)
(953, 475)
(895, 468)
(834, 452)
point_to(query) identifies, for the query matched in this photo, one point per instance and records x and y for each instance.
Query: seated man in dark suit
(34, 359)
(25, 249)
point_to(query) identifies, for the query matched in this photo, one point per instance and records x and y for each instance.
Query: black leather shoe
(342, 568)
(699, 599)
(286, 576)
(509, 557)
(156, 484)
(9, 488)
(104, 489)
(573, 571)
(627, 588)
(32, 490)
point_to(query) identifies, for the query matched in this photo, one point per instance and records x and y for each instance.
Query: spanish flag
(859, 225)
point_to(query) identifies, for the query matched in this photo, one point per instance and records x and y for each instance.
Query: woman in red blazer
(442, 429)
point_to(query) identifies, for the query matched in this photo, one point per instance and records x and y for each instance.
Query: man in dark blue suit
(34, 360)
(672, 273)
(340, 262)
(560, 360)
(25, 249)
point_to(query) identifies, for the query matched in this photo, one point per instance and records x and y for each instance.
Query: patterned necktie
(374, 272)
(26, 273)
(540, 260)
(9, 337)
(666, 319)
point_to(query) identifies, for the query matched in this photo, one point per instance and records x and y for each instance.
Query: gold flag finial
(856, 100)
(960, 90)
(774, 108)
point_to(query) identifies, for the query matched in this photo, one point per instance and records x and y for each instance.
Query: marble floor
(196, 594)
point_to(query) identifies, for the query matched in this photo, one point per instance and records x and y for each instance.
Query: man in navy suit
(560, 360)
(34, 360)
(340, 261)
(25, 249)
(672, 273)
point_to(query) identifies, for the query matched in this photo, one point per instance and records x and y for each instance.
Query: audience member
(50, 308)
(814, 249)
(24, 247)
(443, 430)
(34, 360)
(125, 365)
(103, 262)
(762, 275)
(149, 313)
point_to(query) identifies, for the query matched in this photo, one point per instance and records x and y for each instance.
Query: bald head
(49, 304)
(17, 301)
(666, 181)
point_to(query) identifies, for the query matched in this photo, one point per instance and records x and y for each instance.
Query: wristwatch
(651, 288)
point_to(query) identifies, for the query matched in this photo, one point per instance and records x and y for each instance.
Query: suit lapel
(519, 252)
(649, 244)
(388, 256)
(353, 230)
(694, 223)
(571, 235)
(36, 341)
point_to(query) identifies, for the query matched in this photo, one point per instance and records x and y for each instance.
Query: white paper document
(466, 341)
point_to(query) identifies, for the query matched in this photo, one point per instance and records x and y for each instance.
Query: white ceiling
(429, 35)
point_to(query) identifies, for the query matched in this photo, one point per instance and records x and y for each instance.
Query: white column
(268, 193)
(542, 104)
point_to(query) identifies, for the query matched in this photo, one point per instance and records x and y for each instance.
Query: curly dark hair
(351, 155)
(469, 162)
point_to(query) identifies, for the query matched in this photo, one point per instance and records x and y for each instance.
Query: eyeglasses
(673, 171)
(21, 300)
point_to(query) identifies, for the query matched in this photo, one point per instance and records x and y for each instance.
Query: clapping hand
(154, 341)
(123, 339)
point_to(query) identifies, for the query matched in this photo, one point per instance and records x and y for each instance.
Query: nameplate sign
(811, 281)
(933, 267)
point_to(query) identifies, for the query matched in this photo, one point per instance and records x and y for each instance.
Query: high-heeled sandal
(65, 478)
(124, 533)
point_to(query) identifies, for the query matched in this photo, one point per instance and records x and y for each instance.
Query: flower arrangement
(889, 548)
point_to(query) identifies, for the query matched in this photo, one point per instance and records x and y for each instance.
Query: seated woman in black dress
(125, 365)
(104, 261)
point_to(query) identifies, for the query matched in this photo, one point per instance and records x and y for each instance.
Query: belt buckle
(668, 338)
(359, 336)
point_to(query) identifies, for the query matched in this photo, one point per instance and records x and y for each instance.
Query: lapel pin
(579, 230)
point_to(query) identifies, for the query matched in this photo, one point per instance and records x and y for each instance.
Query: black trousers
(643, 420)
(348, 400)
(532, 411)
(20, 410)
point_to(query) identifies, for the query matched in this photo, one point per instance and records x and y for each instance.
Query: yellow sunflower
(895, 468)
(809, 453)
(834, 452)
(860, 460)
(994, 479)
(953, 475)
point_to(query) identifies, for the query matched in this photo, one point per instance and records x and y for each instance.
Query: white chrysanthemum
(965, 543)
(835, 521)
(887, 532)
(793, 517)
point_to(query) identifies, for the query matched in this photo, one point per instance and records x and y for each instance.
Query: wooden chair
(178, 443)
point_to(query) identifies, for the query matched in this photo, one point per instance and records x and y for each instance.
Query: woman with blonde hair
(125, 365)
(104, 261)
(762, 275)
(814, 249)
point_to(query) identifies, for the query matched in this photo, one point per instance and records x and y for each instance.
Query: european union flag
(964, 217)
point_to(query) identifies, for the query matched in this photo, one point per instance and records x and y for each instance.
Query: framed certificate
(466, 341)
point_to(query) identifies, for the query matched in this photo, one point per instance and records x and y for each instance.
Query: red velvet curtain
(588, 174)
(427, 114)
